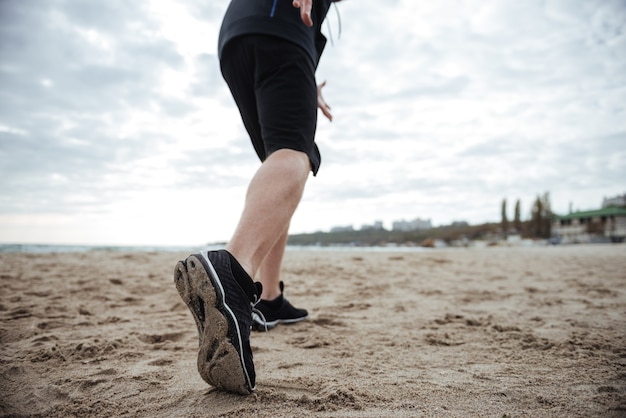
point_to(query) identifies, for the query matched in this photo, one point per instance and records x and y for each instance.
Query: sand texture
(493, 332)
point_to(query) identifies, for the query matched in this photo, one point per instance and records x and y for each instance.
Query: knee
(295, 164)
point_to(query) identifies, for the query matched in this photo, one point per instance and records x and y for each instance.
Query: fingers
(327, 113)
(305, 10)
(323, 106)
(321, 103)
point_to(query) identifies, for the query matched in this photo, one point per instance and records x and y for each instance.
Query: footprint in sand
(20, 313)
(311, 341)
(161, 338)
(327, 321)
(161, 362)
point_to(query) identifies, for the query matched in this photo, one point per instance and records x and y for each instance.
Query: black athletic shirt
(277, 18)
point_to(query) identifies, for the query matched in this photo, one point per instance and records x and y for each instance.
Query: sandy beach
(493, 332)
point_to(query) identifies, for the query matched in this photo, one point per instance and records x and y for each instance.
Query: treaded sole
(219, 362)
(194, 304)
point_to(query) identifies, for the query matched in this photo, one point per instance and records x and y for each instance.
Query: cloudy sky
(117, 128)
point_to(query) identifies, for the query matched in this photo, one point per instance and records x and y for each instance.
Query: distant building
(413, 225)
(376, 226)
(608, 223)
(459, 224)
(617, 201)
(346, 228)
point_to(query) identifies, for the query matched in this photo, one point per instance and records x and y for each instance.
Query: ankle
(239, 272)
(241, 261)
(270, 294)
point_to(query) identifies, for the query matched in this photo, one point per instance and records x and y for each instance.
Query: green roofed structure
(606, 224)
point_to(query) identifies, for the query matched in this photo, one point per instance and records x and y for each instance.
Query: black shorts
(273, 83)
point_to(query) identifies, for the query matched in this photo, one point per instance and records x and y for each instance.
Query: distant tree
(505, 221)
(534, 228)
(547, 216)
(541, 217)
(517, 222)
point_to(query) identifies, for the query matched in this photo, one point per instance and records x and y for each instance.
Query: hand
(321, 103)
(305, 10)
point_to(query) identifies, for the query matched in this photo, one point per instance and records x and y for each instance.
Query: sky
(116, 127)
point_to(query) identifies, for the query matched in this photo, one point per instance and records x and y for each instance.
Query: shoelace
(330, 32)
(259, 313)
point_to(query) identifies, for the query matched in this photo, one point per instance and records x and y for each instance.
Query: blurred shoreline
(69, 248)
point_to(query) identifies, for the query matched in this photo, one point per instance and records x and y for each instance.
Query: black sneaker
(277, 311)
(221, 305)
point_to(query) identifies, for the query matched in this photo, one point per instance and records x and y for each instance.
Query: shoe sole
(220, 364)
